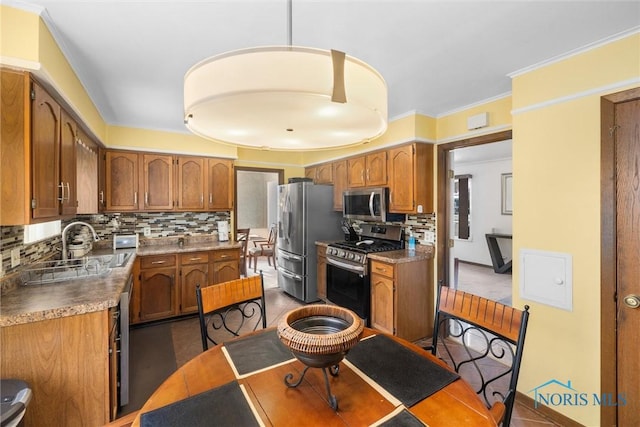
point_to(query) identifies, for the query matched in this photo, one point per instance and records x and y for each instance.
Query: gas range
(352, 255)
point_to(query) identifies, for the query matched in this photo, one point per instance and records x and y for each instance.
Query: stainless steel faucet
(65, 255)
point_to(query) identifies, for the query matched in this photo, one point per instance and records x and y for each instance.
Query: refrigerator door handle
(371, 203)
(291, 275)
(290, 257)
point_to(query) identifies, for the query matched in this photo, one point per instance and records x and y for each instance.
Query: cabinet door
(340, 173)
(401, 179)
(191, 173)
(220, 184)
(376, 173)
(157, 180)
(324, 174)
(45, 146)
(87, 174)
(68, 139)
(357, 171)
(311, 173)
(190, 277)
(382, 303)
(122, 173)
(321, 275)
(223, 271)
(158, 293)
(102, 179)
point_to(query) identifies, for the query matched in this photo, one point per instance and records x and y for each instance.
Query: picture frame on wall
(507, 194)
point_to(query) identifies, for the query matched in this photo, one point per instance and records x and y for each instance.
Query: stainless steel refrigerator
(305, 215)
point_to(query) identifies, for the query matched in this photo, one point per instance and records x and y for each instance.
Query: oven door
(349, 289)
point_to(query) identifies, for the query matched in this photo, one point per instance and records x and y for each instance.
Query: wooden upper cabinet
(122, 173)
(311, 173)
(68, 184)
(191, 183)
(87, 171)
(340, 174)
(157, 180)
(102, 179)
(220, 184)
(45, 164)
(369, 170)
(411, 178)
(324, 174)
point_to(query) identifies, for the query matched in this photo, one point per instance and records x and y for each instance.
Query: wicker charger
(320, 336)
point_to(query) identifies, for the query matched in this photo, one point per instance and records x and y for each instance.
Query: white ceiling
(436, 56)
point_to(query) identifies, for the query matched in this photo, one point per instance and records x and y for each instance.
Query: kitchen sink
(78, 268)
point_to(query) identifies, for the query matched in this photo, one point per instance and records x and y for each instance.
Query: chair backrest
(489, 331)
(228, 306)
(242, 236)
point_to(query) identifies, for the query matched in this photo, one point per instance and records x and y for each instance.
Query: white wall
(252, 203)
(486, 216)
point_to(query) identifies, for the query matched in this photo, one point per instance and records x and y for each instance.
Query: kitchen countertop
(32, 303)
(422, 252)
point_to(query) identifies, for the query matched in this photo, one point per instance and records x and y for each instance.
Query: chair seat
(261, 251)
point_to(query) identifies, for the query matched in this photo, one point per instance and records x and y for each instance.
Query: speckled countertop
(24, 304)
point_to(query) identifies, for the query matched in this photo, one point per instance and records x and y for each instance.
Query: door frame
(280, 173)
(608, 251)
(442, 207)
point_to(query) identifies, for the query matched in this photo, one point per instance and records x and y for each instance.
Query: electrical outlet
(147, 231)
(430, 236)
(15, 257)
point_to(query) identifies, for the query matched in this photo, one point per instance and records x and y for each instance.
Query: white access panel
(547, 277)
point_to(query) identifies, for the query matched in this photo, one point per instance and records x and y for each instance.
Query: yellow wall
(556, 169)
(454, 126)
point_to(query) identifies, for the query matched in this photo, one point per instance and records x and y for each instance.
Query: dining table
(382, 381)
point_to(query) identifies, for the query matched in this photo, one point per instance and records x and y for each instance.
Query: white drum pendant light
(285, 98)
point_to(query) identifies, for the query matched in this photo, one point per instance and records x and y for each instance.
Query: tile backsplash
(161, 224)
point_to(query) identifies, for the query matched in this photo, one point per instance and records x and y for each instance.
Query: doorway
(256, 198)
(446, 259)
(620, 260)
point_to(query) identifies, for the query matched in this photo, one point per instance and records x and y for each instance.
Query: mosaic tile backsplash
(161, 224)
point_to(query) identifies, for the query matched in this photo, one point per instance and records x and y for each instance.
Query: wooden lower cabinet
(65, 361)
(321, 274)
(402, 298)
(165, 285)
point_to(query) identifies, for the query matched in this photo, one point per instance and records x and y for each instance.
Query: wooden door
(87, 171)
(340, 177)
(223, 271)
(68, 138)
(122, 181)
(102, 179)
(357, 170)
(401, 179)
(382, 309)
(45, 146)
(191, 184)
(191, 276)
(220, 184)
(158, 294)
(627, 149)
(157, 181)
(376, 173)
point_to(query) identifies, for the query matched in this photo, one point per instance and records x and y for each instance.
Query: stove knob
(341, 254)
(351, 256)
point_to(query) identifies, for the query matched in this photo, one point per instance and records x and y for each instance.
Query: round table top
(361, 400)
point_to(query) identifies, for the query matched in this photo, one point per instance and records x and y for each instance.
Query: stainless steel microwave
(366, 204)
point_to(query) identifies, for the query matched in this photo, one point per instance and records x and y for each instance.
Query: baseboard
(477, 264)
(549, 413)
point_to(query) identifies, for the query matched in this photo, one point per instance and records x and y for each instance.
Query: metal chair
(231, 306)
(242, 236)
(266, 249)
(470, 332)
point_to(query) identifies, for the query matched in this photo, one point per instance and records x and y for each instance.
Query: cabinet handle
(202, 199)
(61, 187)
(368, 175)
(381, 269)
(146, 198)
(210, 198)
(224, 256)
(102, 197)
(135, 197)
(158, 262)
(68, 192)
(195, 259)
(391, 197)
(362, 175)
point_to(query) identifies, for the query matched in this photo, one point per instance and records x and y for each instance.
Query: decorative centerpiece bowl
(320, 336)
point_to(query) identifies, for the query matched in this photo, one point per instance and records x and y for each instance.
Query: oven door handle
(346, 266)
(290, 275)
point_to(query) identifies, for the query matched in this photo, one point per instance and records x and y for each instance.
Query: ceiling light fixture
(285, 98)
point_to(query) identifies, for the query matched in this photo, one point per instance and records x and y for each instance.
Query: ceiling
(436, 56)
